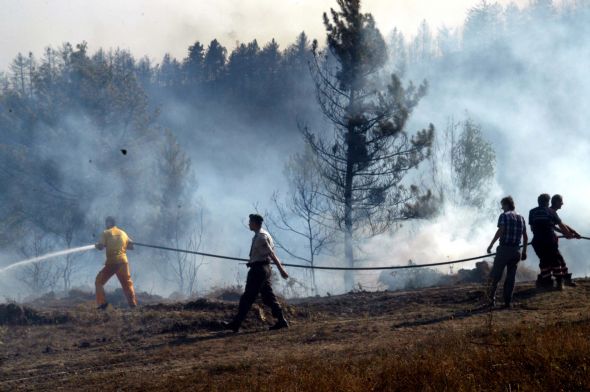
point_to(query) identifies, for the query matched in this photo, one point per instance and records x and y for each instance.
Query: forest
(181, 150)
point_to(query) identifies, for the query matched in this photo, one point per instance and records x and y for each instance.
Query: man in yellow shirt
(116, 242)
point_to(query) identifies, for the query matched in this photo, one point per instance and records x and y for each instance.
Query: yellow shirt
(115, 241)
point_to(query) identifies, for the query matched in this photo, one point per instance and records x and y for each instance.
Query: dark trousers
(506, 257)
(550, 260)
(258, 281)
(562, 264)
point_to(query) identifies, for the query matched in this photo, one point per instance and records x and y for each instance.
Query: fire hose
(392, 267)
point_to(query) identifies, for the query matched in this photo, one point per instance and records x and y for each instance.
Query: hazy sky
(154, 27)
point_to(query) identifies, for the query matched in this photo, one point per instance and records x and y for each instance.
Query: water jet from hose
(47, 256)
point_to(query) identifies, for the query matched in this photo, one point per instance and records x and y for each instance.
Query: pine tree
(365, 159)
(169, 72)
(398, 53)
(242, 70)
(214, 61)
(193, 64)
(474, 162)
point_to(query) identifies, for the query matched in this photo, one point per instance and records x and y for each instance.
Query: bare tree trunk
(312, 259)
(67, 273)
(69, 264)
(348, 251)
(31, 74)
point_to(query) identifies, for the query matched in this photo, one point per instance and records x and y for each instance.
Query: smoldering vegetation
(411, 279)
(181, 150)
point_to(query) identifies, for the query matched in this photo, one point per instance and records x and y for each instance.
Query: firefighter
(116, 242)
(543, 220)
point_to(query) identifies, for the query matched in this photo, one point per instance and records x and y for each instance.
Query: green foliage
(214, 61)
(365, 161)
(463, 167)
(193, 63)
(356, 43)
(474, 162)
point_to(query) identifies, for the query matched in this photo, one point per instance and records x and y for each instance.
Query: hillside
(429, 339)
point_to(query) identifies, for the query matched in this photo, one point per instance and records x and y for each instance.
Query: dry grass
(524, 359)
(429, 340)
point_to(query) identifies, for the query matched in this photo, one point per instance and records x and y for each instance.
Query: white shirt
(262, 246)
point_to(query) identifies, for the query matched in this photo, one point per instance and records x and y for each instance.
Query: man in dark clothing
(258, 280)
(543, 221)
(511, 228)
(556, 204)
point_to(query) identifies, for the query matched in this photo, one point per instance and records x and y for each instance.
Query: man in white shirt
(258, 280)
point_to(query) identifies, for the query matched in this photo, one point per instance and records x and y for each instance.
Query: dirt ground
(181, 346)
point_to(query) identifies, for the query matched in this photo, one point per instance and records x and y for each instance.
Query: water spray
(47, 256)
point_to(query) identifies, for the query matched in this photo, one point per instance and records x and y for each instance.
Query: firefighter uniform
(115, 241)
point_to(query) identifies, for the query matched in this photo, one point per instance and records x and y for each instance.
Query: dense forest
(180, 150)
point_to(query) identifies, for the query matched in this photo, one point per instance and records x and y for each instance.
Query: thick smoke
(519, 74)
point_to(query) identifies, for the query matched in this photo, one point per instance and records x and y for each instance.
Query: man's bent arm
(575, 234)
(563, 229)
(498, 234)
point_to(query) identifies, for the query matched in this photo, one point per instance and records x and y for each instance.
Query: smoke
(130, 25)
(524, 82)
(456, 233)
(528, 89)
(239, 163)
(452, 235)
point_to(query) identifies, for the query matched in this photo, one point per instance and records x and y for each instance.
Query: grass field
(437, 339)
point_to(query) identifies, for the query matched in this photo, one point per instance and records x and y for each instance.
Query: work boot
(568, 281)
(103, 306)
(559, 283)
(280, 324)
(544, 283)
(232, 325)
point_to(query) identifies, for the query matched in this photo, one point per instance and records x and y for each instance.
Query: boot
(280, 324)
(490, 304)
(232, 325)
(559, 283)
(544, 283)
(103, 306)
(568, 280)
